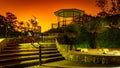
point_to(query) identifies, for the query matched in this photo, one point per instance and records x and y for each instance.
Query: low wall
(3, 43)
(92, 56)
(63, 49)
(95, 58)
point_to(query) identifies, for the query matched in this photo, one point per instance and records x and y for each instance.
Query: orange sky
(44, 9)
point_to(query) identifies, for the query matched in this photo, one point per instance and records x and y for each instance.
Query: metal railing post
(40, 56)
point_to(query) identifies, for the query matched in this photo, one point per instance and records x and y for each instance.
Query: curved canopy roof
(69, 12)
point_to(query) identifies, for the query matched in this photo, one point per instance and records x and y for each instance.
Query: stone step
(27, 63)
(20, 48)
(26, 53)
(20, 64)
(53, 59)
(27, 50)
(18, 54)
(43, 52)
(18, 58)
(51, 55)
(13, 44)
(28, 57)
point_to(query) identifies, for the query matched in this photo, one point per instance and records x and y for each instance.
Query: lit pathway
(68, 64)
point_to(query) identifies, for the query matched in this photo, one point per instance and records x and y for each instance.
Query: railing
(43, 41)
(40, 54)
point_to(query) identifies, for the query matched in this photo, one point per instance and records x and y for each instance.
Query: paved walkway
(68, 64)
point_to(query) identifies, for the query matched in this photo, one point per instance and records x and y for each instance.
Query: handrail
(40, 54)
(32, 43)
(40, 48)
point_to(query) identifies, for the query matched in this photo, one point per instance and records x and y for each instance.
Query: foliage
(89, 33)
(57, 30)
(2, 26)
(94, 26)
(84, 45)
(110, 38)
(101, 4)
(114, 21)
(111, 7)
(82, 37)
(11, 27)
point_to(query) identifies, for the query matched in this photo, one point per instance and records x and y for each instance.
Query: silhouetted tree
(115, 7)
(110, 37)
(71, 33)
(111, 7)
(11, 20)
(110, 11)
(2, 26)
(33, 23)
(114, 21)
(88, 30)
(95, 26)
(102, 4)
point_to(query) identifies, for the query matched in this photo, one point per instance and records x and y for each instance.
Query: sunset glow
(44, 9)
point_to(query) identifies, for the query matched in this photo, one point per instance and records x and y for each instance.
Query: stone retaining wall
(92, 56)
(63, 49)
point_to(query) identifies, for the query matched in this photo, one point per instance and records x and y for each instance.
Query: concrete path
(68, 64)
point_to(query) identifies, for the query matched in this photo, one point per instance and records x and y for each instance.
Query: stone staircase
(21, 56)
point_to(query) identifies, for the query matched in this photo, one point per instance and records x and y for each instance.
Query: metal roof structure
(69, 12)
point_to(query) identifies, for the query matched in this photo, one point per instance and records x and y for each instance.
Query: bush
(110, 38)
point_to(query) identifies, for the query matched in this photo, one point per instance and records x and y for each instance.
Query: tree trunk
(70, 47)
(93, 40)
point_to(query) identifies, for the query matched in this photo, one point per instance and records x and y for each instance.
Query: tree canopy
(10, 26)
